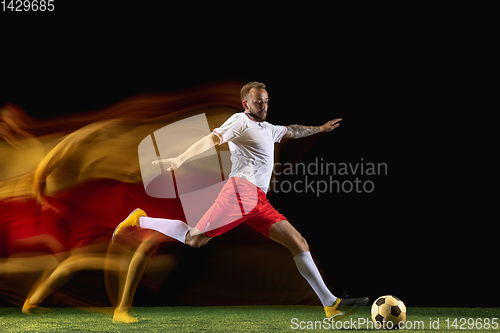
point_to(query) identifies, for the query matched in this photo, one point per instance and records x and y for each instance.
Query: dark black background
(417, 235)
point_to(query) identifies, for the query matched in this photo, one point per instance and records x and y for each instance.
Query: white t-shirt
(252, 147)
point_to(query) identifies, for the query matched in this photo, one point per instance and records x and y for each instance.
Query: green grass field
(229, 319)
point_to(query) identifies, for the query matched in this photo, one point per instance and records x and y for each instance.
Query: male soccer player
(242, 199)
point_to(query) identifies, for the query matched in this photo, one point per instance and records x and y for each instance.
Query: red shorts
(239, 201)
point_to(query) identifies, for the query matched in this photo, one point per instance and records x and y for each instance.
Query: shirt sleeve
(278, 132)
(232, 128)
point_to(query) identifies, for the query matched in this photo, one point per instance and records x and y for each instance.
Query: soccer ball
(388, 312)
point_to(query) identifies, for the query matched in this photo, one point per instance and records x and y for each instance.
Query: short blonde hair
(249, 86)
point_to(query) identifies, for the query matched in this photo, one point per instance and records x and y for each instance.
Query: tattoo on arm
(300, 131)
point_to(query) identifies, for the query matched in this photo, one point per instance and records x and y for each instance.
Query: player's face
(256, 104)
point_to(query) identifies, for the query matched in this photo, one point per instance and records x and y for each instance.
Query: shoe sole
(348, 312)
(118, 226)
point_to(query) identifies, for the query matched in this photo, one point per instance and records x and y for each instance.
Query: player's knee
(190, 242)
(299, 245)
(303, 246)
(195, 242)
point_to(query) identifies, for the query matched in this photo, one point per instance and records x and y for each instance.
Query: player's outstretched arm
(197, 148)
(301, 131)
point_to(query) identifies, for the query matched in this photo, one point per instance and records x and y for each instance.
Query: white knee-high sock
(307, 268)
(172, 228)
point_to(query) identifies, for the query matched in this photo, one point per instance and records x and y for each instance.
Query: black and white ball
(388, 312)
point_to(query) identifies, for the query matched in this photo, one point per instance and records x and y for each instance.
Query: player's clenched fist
(170, 163)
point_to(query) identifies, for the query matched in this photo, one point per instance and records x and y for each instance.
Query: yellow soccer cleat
(122, 316)
(132, 221)
(330, 311)
(344, 307)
